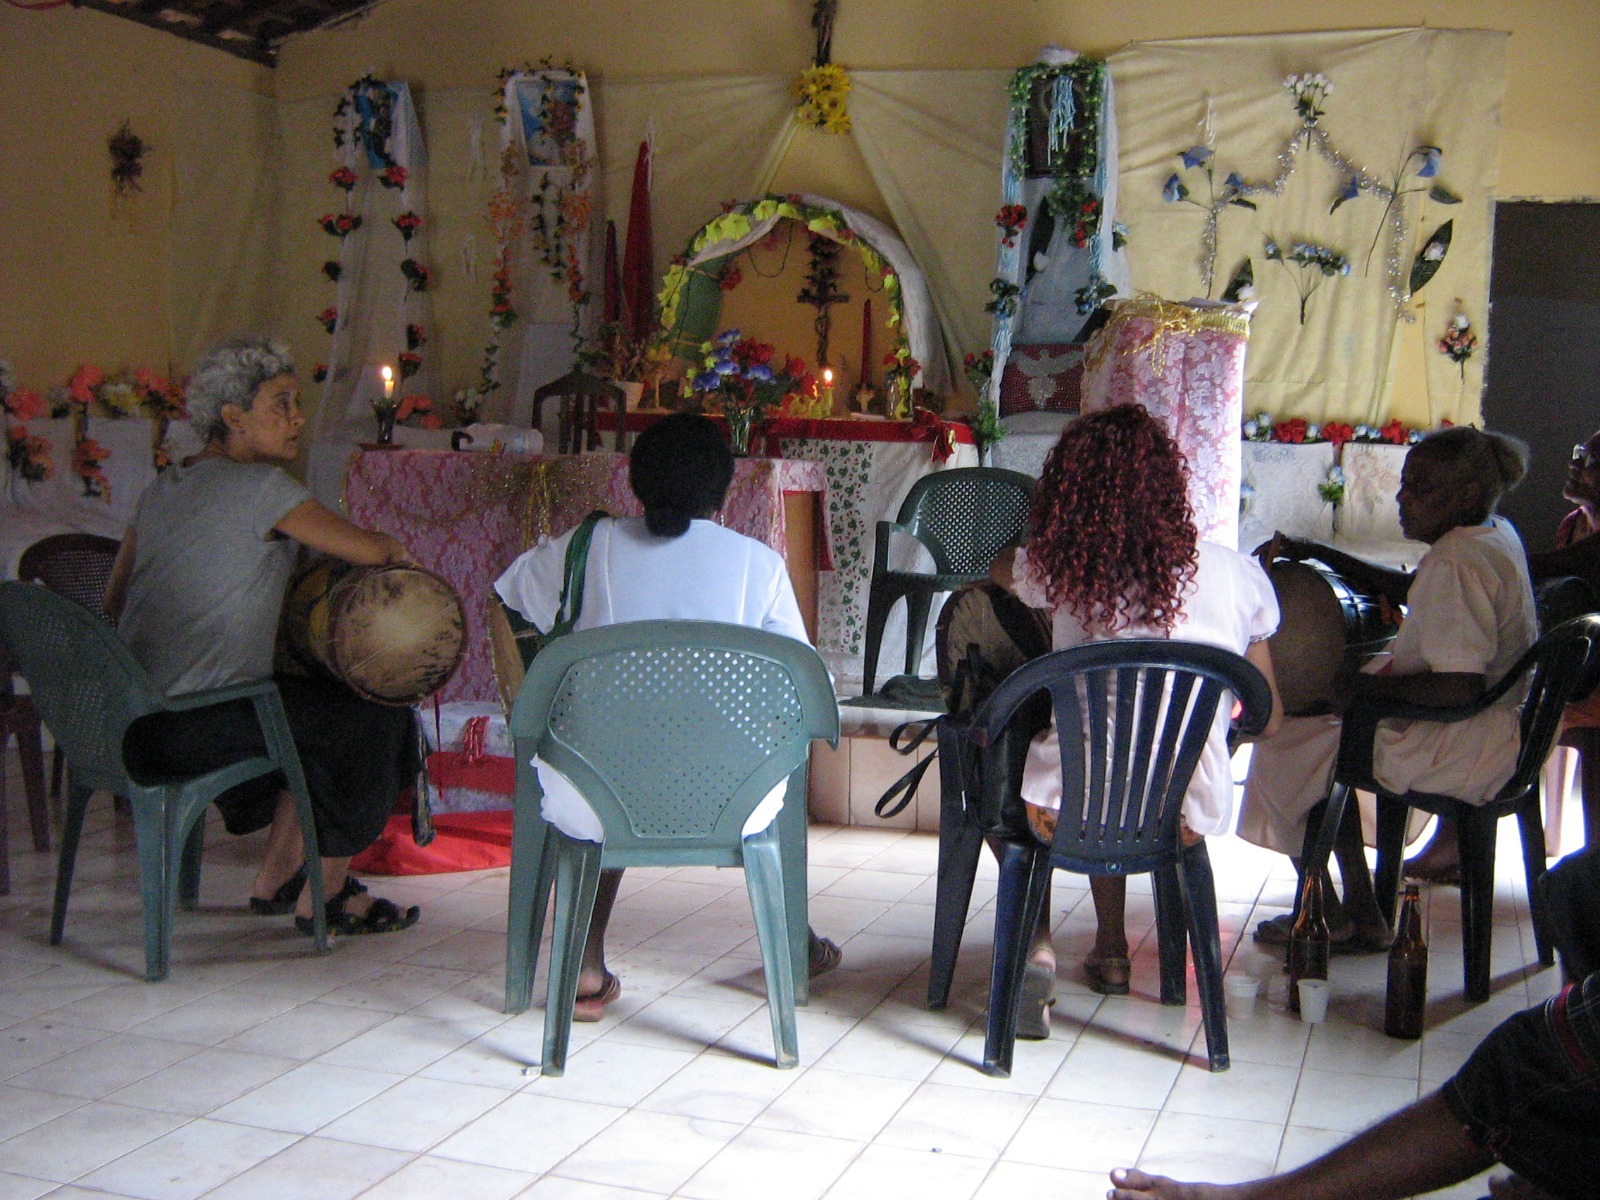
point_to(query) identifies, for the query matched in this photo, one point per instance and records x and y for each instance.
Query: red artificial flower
(328, 317)
(393, 176)
(25, 404)
(344, 177)
(1394, 432)
(794, 366)
(410, 364)
(732, 277)
(319, 372)
(83, 383)
(1337, 433)
(1292, 431)
(416, 336)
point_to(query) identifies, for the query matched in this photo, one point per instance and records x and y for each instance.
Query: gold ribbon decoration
(1167, 319)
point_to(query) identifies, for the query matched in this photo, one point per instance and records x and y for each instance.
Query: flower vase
(385, 414)
(741, 423)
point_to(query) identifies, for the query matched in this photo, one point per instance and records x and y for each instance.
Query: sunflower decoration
(821, 90)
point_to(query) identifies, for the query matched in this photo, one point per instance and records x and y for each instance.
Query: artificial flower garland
(738, 220)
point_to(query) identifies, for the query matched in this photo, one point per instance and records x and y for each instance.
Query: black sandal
(385, 916)
(283, 900)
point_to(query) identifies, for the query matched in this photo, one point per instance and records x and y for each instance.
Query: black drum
(1326, 630)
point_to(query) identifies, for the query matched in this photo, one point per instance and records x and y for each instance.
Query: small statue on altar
(862, 401)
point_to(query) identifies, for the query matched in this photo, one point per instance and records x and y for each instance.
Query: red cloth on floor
(475, 841)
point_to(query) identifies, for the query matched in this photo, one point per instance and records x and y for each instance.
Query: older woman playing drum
(197, 590)
(1470, 617)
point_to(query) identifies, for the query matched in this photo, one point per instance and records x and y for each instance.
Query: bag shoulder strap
(577, 564)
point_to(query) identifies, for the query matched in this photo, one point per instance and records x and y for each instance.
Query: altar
(465, 516)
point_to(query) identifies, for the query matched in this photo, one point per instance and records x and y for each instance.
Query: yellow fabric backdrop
(1393, 90)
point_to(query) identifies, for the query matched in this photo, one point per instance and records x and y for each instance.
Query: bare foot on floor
(1133, 1184)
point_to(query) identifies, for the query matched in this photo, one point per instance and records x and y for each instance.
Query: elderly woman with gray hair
(1470, 616)
(197, 590)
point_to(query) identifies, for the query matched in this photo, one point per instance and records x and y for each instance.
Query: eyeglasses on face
(1582, 456)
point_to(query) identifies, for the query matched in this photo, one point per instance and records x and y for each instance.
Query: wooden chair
(580, 396)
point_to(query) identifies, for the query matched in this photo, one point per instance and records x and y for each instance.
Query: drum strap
(577, 565)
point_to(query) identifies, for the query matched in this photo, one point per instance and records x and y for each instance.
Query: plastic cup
(1241, 993)
(1313, 1001)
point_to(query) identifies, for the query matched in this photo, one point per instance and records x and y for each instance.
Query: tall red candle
(866, 342)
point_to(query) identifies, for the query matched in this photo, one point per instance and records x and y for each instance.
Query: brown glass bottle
(1407, 999)
(1308, 940)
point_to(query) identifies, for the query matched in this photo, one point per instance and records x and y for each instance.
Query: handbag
(514, 642)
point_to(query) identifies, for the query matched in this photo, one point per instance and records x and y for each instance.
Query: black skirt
(358, 758)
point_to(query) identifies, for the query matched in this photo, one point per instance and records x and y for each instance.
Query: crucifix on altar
(821, 290)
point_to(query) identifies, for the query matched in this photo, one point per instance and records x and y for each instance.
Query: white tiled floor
(387, 1070)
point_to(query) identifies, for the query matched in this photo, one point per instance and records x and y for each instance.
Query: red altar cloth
(467, 515)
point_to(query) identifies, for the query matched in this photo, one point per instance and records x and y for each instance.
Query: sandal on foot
(282, 901)
(1038, 994)
(824, 956)
(1107, 975)
(1276, 931)
(589, 1009)
(384, 916)
(1445, 874)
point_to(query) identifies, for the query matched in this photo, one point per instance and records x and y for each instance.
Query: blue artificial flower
(1235, 182)
(707, 381)
(1195, 155)
(728, 337)
(725, 366)
(1174, 189)
(1351, 189)
(1271, 250)
(1430, 156)
(760, 372)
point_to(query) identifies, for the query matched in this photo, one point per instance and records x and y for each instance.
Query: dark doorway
(1543, 381)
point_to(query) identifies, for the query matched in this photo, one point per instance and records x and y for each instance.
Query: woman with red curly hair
(1113, 552)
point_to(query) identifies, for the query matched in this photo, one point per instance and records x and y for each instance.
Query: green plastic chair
(673, 731)
(963, 517)
(89, 690)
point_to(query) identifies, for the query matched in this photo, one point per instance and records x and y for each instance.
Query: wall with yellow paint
(86, 281)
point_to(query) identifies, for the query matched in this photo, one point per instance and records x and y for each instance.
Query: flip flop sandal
(384, 916)
(589, 1009)
(282, 901)
(824, 956)
(1108, 976)
(1275, 932)
(1446, 876)
(1038, 994)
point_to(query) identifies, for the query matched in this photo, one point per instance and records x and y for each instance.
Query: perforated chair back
(75, 565)
(967, 515)
(1142, 710)
(673, 730)
(86, 684)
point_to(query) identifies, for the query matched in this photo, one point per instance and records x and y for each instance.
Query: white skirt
(565, 808)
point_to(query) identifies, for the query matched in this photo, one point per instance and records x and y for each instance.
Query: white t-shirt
(707, 574)
(1229, 603)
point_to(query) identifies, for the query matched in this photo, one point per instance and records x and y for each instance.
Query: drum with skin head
(394, 635)
(1326, 630)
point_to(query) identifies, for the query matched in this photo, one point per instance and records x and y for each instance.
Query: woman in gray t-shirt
(197, 589)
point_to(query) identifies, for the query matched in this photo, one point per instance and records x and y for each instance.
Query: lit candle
(388, 383)
(827, 390)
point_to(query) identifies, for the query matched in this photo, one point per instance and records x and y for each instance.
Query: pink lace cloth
(466, 516)
(1190, 374)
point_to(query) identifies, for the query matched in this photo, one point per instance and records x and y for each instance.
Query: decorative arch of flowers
(544, 206)
(363, 144)
(735, 225)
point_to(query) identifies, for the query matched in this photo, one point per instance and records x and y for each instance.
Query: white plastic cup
(1241, 991)
(1313, 1001)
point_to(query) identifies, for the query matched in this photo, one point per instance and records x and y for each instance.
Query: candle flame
(827, 374)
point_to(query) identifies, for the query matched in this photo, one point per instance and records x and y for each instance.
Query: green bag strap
(577, 565)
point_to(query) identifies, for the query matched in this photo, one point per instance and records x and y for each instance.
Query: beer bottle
(1308, 940)
(1407, 998)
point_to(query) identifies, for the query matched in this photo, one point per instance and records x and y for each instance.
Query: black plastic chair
(77, 566)
(963, 518)
(580, 396)
(20, 719)
(1145, 709)
(1561, 667)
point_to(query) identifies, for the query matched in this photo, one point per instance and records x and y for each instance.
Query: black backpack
(984, 633)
